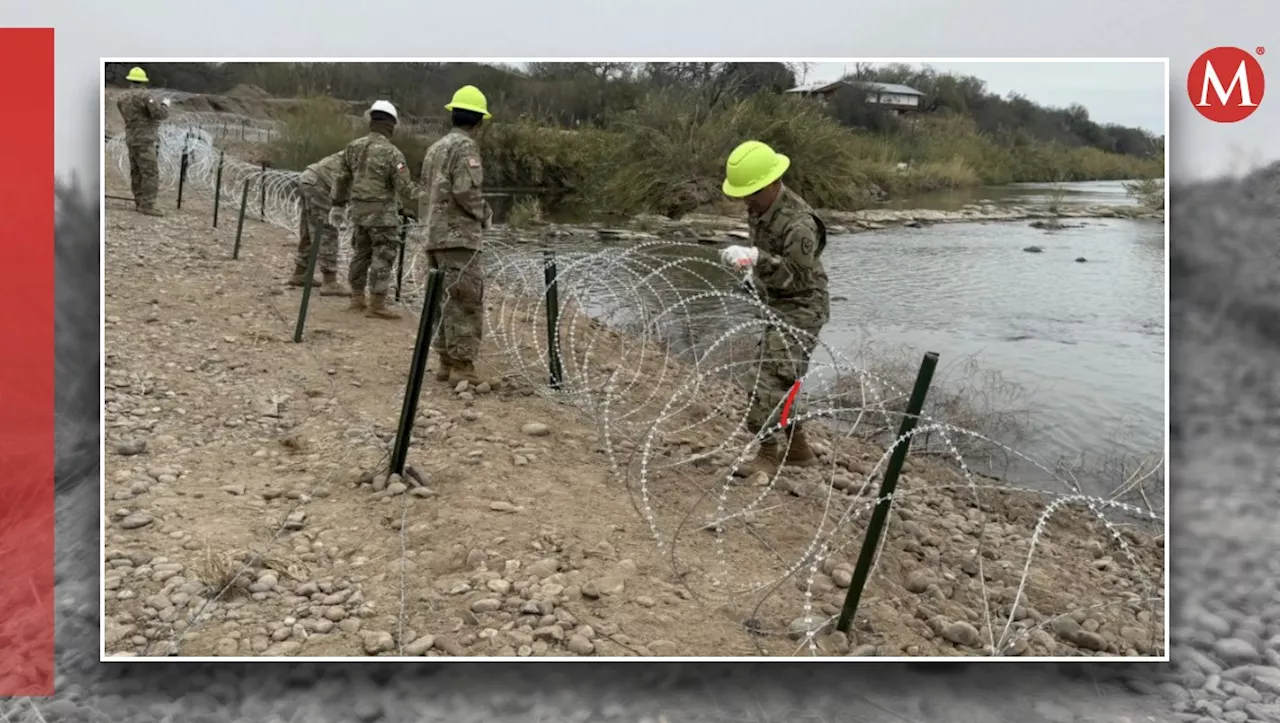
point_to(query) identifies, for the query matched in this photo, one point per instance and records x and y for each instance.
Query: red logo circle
(1226, 84)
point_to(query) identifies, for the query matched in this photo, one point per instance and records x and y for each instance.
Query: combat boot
(461, 371)
(378, 308)
(357, 300)
(445, 369)
(331, 286)
(767, 460)
(299, 277)
(150, 211)
(799, 453)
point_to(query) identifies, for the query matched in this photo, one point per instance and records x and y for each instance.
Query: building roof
(895, 88)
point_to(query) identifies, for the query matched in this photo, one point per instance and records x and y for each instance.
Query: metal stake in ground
(262, 190)
(553, 319)
(417, 368)
(182, 166)
(884, 500)
(217, 188)
(404, 233)
(312, 255)
(244, 206)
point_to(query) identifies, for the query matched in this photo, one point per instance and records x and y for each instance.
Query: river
(1083, 342)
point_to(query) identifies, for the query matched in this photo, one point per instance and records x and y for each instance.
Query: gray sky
(665, 28)
(1127, 93)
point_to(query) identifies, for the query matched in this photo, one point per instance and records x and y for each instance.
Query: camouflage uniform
(314, 186)
(791, 279)
(455, 212)
(142, 115)
(374, 178)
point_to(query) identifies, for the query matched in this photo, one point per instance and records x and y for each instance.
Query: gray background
(1225, 495)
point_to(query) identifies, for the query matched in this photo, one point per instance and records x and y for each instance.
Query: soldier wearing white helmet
(372, 189)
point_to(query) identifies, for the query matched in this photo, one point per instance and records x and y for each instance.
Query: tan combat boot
(299, 277)
(445, 369)
(463, 371)
(378, 308)
(150, 211)
(799, 453)
(767, 460)
(357, 300)
(331, 286)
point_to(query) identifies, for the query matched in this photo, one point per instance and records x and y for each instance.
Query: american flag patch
(400, 167)
(473, 162)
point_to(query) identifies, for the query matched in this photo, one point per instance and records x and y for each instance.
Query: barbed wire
(656, 343)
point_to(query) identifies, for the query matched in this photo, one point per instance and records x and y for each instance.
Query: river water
(1083, 343)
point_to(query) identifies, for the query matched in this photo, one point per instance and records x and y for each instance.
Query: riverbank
(527, 223)
(229, 448)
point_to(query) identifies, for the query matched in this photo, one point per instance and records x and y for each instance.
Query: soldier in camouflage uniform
(314, 186)
(455, 212)
(142, 114)
(787, 240)
(374, 178)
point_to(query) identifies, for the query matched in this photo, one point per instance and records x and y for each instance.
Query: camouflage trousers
(783, 357)
(462, 303)
(374, 250)
(314, 226)
(144, 172)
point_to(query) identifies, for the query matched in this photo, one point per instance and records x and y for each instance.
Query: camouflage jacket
(374, 180)
(451, 204)
(789, 271)
(142, 114)
(324, 171)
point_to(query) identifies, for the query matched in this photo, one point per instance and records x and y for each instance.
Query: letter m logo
(1234, 100)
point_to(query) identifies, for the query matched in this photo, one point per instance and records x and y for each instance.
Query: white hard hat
(384, 106)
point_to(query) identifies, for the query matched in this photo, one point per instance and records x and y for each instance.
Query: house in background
(900, 99)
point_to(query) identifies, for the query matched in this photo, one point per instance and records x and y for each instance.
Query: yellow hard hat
(470, 98)
(752, 166)
(137, 75)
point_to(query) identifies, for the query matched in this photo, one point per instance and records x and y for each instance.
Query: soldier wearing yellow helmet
(142, 115)
(784, 258)
(455, 212)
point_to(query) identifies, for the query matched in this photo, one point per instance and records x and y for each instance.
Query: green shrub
(666, 155)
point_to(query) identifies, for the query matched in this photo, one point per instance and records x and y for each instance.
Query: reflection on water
(1093, 193)
(1085, 339)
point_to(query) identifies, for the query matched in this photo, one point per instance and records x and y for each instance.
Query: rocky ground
(231, 448)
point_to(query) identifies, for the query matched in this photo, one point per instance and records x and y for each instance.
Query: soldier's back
(436, 165)
(375, 165)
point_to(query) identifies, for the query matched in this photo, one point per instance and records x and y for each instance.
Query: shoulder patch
(473, 162)
(400, 166)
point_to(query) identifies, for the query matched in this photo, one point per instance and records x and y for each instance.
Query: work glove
(166, 102)
(487, 223)
(740, 257)
(338, 216)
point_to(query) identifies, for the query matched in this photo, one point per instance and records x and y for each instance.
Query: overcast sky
(1128, 93)
(675, 28)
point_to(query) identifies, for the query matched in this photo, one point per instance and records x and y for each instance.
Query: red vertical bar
(26, 365)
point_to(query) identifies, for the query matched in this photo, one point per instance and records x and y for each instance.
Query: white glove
(740, 257)
(165, 102)
(338, 216)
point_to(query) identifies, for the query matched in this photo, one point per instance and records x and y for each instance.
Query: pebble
(536, 429)
(136, 520)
